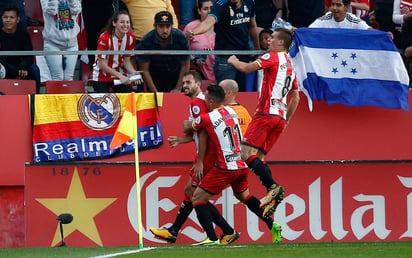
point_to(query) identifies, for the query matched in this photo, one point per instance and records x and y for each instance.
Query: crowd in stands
(72, 25)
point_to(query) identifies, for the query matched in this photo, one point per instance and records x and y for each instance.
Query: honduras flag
(350, 67)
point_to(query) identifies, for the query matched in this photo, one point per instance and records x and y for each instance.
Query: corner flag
(126, 130)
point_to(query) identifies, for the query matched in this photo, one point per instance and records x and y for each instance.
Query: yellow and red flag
(127, 128)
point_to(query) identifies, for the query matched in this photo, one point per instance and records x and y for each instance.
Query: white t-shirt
(2, 72)
(350, 22)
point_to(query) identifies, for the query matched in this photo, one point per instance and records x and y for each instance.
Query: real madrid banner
(81, 126)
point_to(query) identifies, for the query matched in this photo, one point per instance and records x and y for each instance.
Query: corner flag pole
(136, 161)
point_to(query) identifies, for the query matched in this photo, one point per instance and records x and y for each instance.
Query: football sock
(204, 217)
(262, 171)
(253, 204)
(185, 209)
(219, 220)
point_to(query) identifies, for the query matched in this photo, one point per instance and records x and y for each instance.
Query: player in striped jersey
(223, 128)
(205, 158)
(273, 112)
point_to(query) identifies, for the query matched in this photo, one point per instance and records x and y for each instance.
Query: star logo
(83, 209)
(344, 63)
(334, 55)
(334, 70)
(353, 71)
(353, 56)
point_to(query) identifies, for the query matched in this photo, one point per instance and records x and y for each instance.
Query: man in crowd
(234, 21)
(164, 73)
(338, 17)
(273, 112)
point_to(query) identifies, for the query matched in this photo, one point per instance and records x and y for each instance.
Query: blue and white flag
(350, 67)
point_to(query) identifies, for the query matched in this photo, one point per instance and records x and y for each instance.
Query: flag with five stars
(350, 67)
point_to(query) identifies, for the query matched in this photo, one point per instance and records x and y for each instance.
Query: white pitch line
(125, 252)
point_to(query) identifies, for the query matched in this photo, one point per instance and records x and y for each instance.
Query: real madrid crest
(99, 112)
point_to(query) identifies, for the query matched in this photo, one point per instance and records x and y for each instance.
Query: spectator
(95, 15)
(401, 11)
(107, 68)
(185, 11)
(60, 34)
(142, 13)
(402, 14)
(234, 22)
(205, 41)
(22, 14)
(14, 39)
(264, 36)
(383, 14)
(406, 43)
(164, 73)
(338, 17)
(301, 13)
(2, 72)
(267, 11)
(359, 8)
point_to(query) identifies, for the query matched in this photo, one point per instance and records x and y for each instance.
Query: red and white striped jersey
(111, 42)
(358, 12)
(197, 107)
(278, 79)
(223, 128)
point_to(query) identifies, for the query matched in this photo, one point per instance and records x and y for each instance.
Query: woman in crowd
(60, 34)
(205, 41)
(116, 36)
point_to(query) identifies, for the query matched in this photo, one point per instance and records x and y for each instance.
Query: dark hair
(346, 2)
(196, 75)
(198, 6)
(286, 36)
(11, 7)
(216, 93)
(109, 25)
(265, 30)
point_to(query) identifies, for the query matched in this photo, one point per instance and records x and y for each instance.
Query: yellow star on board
(82, 208)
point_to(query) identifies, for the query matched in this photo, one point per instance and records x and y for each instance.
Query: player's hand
(173, 141)
(198, 171)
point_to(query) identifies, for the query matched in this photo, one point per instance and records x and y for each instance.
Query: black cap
(163, 17)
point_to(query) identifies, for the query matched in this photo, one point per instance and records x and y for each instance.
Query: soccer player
(223, 128)
(273, 111)
(204, 161)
